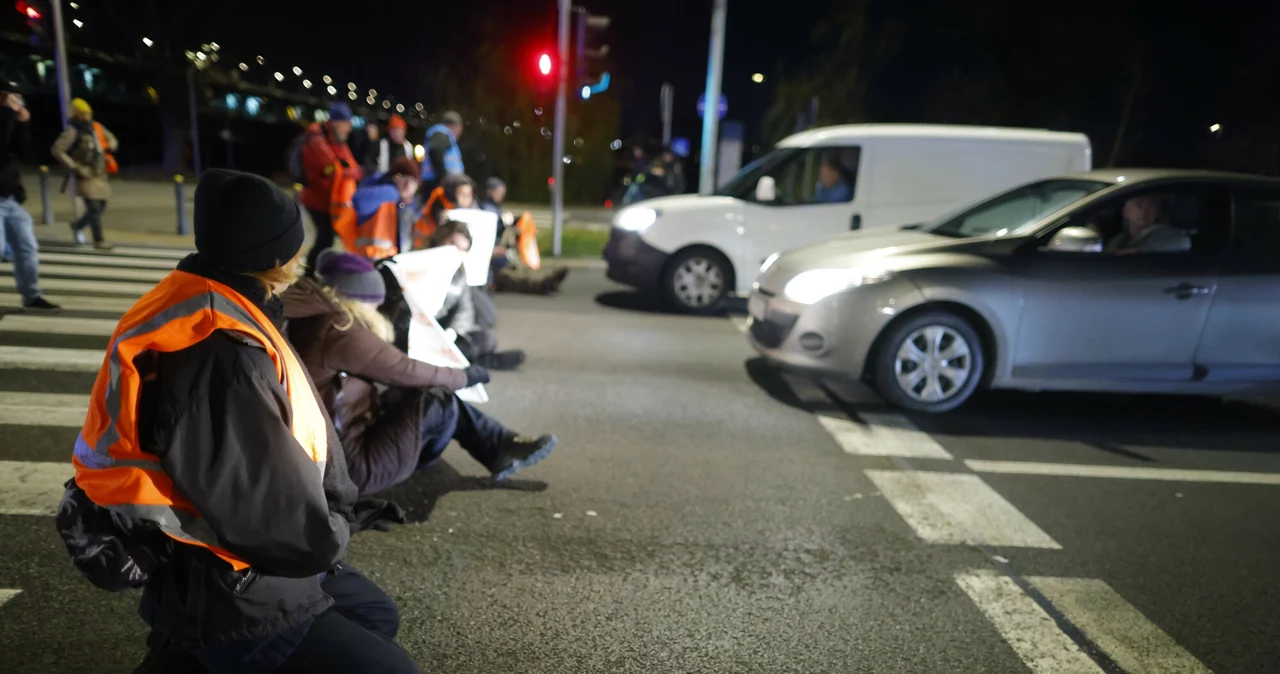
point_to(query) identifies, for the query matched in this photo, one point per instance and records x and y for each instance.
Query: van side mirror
(1075, 240)
(766, 190)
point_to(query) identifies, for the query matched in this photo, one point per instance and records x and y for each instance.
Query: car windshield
(743, 184)
(1014, 211)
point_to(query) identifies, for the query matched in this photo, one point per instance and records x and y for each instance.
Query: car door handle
(1185, 290)
(856, 221)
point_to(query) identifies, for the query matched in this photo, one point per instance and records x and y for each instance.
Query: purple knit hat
(351, 276)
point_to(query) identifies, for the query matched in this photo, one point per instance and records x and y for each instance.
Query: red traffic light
(544, 64)
(30, 12)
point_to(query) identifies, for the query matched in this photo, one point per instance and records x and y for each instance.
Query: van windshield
(743, 184)
(1015, 211)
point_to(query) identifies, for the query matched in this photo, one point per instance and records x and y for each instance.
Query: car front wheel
(696, 281)
(931, 362)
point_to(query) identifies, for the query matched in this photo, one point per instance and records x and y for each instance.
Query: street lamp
(278, 76)
(399, 107)
(351, 86)
(331, 90)
(1215, 128)
(297, 71)
(306, 84)
(328, 80)
(757, 78)
(244, 67)
(261, 60)
(147, 41)
(78, 23)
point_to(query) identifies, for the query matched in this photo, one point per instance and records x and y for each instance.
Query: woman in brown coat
(85, 148)
(344, 344)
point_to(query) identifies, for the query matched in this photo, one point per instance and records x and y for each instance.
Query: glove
(476, 375)
(375, 514)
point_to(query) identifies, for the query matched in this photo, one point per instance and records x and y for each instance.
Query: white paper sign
(429, 343)
(483, 226)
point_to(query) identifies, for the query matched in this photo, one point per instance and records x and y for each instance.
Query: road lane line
(109, 260)
(33, 487)
(142, 251)
(1121, 472)
(883, 434)
(47, 359)
(1134, 643)
(73, 271)
(6, 595)
(63, 410)
(116, 305)
(74, 286)
(958, 508)
(58, 325)
(1026, 627)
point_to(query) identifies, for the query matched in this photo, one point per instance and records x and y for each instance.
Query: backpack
(293, 158)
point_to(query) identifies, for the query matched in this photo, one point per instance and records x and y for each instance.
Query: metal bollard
(178, 190)
(46, 201)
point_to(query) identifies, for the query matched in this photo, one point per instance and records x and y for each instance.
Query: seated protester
(508, 273)
(382, 216)
(477, 342)
(208, 474)
(343, 341)
(455, 191)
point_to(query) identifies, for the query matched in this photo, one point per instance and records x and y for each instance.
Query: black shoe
(40, 303)
(501, 360)
(521, 452)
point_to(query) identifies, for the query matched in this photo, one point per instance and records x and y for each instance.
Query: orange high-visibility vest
(111, 466)
(527, 241)
(379, 236)
(108, 159)
(342, 215)
(427, 224)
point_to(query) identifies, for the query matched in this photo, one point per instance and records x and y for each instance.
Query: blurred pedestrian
(208, 473)
(511, 271)
(85, 148)
(384, 213)
(18, 229)
(332, 175)
(395, 414)
(444, 157)
(673, 172)
(639, 162)
(389, 149)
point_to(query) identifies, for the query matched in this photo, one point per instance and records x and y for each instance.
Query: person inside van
(832, 186)
(1142, 234)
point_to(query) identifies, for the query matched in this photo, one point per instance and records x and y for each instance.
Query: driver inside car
(1142, 233)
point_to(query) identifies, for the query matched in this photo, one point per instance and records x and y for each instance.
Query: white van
(694, 250)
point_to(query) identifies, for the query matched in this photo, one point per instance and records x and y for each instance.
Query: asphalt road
(698, 516)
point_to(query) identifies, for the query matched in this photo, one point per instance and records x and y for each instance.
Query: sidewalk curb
(574, 263)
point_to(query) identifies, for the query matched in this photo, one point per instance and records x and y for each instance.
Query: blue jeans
(19, 234)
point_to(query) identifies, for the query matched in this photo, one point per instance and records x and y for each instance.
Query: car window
(813, 175)
(1257, 217)
(1179, 219)
(1016, 210)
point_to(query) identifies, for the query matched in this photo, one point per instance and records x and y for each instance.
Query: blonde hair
(285, 274)
(363, 313)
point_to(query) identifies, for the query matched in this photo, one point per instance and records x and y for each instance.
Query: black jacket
(15, 145)
(219, 419)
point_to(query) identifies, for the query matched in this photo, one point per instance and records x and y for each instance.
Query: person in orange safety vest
(208, 473)
(380, 219)
(332, 174)
(517, 263)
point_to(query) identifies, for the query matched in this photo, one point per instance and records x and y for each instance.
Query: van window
(801, 176)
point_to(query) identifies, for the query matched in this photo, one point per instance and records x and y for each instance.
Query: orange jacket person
(224, 481)
(330, 170)
(381, 218)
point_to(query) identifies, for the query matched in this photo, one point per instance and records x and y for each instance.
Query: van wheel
(930, 363)
(696, 281)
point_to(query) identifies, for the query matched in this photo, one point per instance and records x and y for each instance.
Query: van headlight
(810, 286)
(635, 219)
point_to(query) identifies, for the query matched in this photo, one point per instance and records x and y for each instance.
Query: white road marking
(33, 487)
(58, 325)
(76, 303)
(883, 434)
(955, 508)
(109, 260)
(740, 322)
(1119, 629)
(806, 389)
(174, 254)
(6, 595)
(1028, 630)
(47, 359)
(92, 272)
(74, 286)
(64, 410)
(1121, 472)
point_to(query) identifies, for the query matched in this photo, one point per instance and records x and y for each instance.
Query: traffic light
(35, 13)
(593, 53)
(544, 64)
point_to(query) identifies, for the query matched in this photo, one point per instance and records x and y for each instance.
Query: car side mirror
(766, 190)
(1075, 240)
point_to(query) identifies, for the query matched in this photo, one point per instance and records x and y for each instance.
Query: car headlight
(636, 219)
(768, 262)
(810, 286)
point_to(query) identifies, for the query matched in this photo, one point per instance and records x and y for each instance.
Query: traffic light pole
(557, 139)
(711, 111)
(60, 61)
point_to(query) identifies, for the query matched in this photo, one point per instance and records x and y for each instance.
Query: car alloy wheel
(698, 282)
(933, 364)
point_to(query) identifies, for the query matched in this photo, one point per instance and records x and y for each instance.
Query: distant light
(516, 124)
(147, 41)
(306, 83)
(399, 107)
(568, 159)
(75, 5)
(418, 107)
(551, 180)
(578, 142)
(544, 64)
(1215, 128)
(327, 79)
(757, 78)
(279, 77)
(546, 133)
(507, 130)
(200, 55)
(615, 145)
(352, 95)
(386, 105)
(244, 67)
(261, 60)
(369, 100)
(419, 152)
(297, 70)
(1120, 179)
(537, 111)
(586, 92)
(331, 90)
(351, 86)
(78, 23)
(213, 46)
(373, 92)
(31, 12)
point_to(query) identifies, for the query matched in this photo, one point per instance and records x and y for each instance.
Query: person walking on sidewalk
(85, 148)
(15, 222)
(332, 174)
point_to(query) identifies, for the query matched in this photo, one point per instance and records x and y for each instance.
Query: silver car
(1153, 281)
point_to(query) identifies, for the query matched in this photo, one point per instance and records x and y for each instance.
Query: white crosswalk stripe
(33, 487)
(52, 360)
(65, 410)
(6, 595)
(69, 271)
(115, 305)
(62, 285)
(58, 325)
(108, 260)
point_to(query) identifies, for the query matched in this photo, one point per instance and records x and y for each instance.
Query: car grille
(773, 330)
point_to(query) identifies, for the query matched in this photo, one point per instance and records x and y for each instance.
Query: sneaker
(521, 452)
(40, 303)
(501, 360)
(78, 236)
(103, 245)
